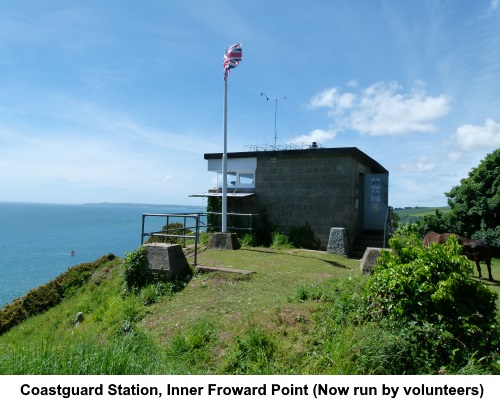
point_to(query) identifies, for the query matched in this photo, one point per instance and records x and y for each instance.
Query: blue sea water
(36, 240)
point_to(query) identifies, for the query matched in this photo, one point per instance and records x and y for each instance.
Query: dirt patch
(104, 273)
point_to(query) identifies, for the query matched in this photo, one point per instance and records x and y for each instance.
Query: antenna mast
(275, 113)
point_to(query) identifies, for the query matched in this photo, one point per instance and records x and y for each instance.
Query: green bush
(175, 228)
(492, 236)
(428, 292)
(302, 237)
(248, 239)
(361, 327)
(280, 241)
(11, 315)
(135, 272)
(214, 204)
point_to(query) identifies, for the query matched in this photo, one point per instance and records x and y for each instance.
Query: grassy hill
(412, 214)
(292, 315)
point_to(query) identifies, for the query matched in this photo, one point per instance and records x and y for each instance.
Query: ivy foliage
(137, 277)
(214, 204)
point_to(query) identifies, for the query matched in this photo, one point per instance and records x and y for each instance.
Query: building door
(375, 201)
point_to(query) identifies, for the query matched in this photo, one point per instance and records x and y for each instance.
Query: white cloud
(317, 135)
(494, 4)
(477, 137)
(423, 164)
(383, 109)
(326, 98)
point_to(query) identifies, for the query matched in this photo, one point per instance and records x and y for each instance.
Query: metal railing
(192, 231)
(289, 146)
(165, 233)
(232, 226)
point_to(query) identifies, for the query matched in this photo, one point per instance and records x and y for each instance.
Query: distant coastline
(144, 205)
(119, 204)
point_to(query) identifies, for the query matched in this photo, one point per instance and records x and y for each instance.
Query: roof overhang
(229, 195)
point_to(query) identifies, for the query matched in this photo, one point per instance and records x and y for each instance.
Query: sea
(40, 241)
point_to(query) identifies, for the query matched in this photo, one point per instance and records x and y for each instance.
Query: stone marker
(78, 318)
(168, 260)
(223, 241)
(369, 259)
(337, 242)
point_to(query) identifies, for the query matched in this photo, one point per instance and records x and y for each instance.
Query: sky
(118, 101)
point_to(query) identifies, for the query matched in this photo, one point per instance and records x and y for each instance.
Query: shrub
(492, 236)
(248, 239)
(280, 241)
(429, 292)
(303, 237)
(135, 274)
(175, 228)
(11, 315)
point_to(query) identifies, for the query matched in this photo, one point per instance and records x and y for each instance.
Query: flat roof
(349, 151)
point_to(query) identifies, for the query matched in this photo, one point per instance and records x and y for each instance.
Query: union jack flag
(232, 58)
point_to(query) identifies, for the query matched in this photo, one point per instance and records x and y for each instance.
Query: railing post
(184, 233)
(196, 239)
(142, 233)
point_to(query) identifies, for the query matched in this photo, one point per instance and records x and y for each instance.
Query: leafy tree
(475, 203)
(475, 207)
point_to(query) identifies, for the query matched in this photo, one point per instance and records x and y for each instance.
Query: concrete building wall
(317, 186)
(319, 190)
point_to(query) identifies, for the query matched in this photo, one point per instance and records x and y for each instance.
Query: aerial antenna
(275, 113)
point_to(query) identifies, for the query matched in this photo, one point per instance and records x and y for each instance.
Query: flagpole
(232, 57)
(224, 164)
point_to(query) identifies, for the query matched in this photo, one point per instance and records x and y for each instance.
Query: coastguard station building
(324, 187)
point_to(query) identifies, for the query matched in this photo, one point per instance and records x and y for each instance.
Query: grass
(284, 318)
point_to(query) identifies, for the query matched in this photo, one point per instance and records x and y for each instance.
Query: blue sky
(118, 100)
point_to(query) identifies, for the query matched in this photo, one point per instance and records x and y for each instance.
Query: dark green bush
(137, 277)
(303, 237)
(429, 292)
(135, 272)
(492, 236)
(175, 228)
(11, 315)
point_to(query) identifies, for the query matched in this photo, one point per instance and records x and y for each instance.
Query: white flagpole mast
(232, 58)
(224, 164)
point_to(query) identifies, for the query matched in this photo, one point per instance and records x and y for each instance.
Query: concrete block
(337, 242)
(223, 241)
(369, 259)
(168, 260)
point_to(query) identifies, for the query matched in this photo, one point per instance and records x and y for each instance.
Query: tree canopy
(474, 203)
